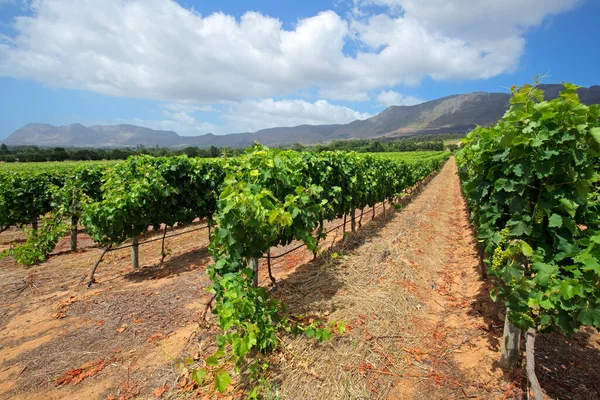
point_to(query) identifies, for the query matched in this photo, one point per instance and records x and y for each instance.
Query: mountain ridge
(449, 114)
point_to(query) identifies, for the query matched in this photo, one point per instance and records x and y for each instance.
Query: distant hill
(456, 113)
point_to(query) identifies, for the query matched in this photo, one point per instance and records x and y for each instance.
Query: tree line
(37, 154)
(40, 154)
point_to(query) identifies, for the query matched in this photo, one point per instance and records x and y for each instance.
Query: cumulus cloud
(183, 125)
(252, 115)
(391, 98)
(158, 49)
(478, 20)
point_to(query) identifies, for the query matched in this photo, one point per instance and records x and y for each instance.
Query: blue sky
(233, 66)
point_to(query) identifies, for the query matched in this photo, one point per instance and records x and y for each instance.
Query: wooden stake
(511, 341)
(271, 277)
(353, 220)
(163, 254)
(135, 262)
(319, 233)
(333, 241)
(530, 367)
(93, 271)
(254, 265)
(74, 222)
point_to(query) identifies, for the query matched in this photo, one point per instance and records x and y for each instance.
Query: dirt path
(420, 321)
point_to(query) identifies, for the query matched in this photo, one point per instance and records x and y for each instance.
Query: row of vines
(270, 198)
(532, 186)
(262, 199)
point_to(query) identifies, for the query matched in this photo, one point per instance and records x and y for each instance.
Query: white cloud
(479, 20)
(188, 107)
(183, 125)
(160, 50)
(252, 115)
(390, 98)
(346, 93)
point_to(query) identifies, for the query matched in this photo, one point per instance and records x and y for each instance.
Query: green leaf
(526, 249)
(212, 361)
(590, 263)
(595, 132)
(555, 221)
(222, 381)
(199, 375)
(518, 228)
(590, 316)
(544, 320)
(567, 290)
(544, 272)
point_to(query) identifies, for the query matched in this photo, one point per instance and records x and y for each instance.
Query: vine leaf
(555, 221)
(589, 316)
(222, 381)
(595, 132)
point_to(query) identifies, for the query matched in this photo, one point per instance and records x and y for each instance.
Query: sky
(229, 66)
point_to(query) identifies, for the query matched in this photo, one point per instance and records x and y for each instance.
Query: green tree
(298, 147)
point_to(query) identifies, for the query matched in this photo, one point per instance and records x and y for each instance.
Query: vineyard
(232, 277)
(264, 199)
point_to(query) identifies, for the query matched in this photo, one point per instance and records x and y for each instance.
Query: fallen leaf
(75, 376)
(121, 329)
(101, 322)
(160, 391)
(155, 337)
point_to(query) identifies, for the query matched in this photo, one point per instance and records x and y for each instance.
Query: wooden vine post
(530, 367)
(315, 251)
(353, 220)
(134, 253)
(93, 271)
(271, 277)
(74, 222)
(163, 254)
(254, 265)
(511, 341)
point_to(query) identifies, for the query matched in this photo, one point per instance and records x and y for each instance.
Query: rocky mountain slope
(456, 113)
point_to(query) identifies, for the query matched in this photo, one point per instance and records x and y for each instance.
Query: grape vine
(532, 188)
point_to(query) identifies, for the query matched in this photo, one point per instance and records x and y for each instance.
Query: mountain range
(451, 114)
